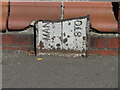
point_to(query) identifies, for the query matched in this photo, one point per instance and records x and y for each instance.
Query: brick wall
(100, 44)
(104, 44)
(17, 41)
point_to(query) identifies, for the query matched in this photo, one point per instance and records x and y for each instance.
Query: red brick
(104, 52)
(97, 42)
(113, 43)
(16, 39)
(16, 48)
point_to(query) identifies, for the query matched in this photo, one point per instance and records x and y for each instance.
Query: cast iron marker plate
(63, 37)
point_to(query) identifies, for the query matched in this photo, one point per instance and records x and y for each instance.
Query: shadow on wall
(115, 9)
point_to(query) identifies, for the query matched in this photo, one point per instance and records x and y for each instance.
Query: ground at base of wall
(23, 71)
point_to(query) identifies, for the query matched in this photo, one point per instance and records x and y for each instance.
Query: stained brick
(17, 39)
(113, 42)
(104, 52)
(17, 48)
(97, 42)
(25, 42)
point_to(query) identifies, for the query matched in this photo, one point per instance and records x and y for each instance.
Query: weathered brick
(104, 52)
(16, 39)
(16, 48)
(97, 42)
(24, 42)
(113, 42)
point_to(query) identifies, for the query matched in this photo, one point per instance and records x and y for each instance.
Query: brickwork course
(13, 38)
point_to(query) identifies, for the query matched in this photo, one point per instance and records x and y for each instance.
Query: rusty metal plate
(63, 37)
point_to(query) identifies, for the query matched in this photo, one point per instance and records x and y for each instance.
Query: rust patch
(64, 53)
(30, 52)
(69, 23)
(51, 46)
(64, 34)
(83, 50)
(76, 46)
(60, 38)
(84, 38)
(65, 40)
(58, 45)
(68, 36)
(58, 48)
(41, 44)
(52, 38)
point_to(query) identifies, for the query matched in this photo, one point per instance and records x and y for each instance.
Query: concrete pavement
(0, 69)
(23, 71)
